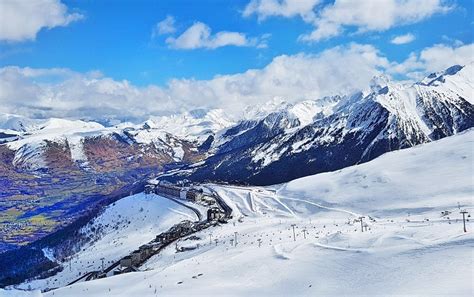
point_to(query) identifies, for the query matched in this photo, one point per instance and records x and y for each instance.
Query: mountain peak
(276, 104)
(379, 82)
(440, 76)
(199, 113)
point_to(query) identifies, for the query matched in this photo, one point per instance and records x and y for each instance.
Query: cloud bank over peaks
(63, 93)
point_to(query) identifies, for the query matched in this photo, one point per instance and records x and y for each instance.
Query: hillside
(120, 229)
(54, 172)
(408, 246)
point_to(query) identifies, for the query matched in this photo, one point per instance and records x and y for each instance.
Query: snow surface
(408, 249)
(29, 149)
(429, 174)
(123, 226)
(195, 125)
(33, 139)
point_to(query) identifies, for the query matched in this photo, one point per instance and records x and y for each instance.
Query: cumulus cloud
(166, 26)
(21, 20)
(284, 8)
(403, 39)
(433, 59)
(199, 36)
(338, 70)
(332, 19)
(370, 15)
(64, 93)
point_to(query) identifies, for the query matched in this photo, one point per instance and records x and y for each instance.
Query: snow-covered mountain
(273, 140)
(343, 131)
(196, 125)
(31, 141)
(413, 241)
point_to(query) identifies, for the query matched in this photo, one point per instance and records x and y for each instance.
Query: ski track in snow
(321, 206)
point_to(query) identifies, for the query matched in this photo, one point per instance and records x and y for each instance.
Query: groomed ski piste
(413, 242)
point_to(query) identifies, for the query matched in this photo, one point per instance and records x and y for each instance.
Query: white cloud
(199, 36)
(333, 19)
(403, 39)
(284, 8)
(166, 26)
(453, 41)
(433, 59)
(339, 70)
(21, 20)
(441, 56)
(64, 93)
(371, 15)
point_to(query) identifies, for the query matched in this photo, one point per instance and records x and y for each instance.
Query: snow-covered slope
(408, 247)
(29, 148)
(120, 229)
(17, 123)
(344, 131)
(33, 139)
(435, 175)
(196, 125)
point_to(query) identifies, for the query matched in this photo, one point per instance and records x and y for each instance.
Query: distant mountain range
(276, 142)
(332, 133)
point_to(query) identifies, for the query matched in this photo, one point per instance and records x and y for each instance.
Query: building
(208, 200)
(136, 257)
(194, 195)
(214, 214)
(167, 189)
(149, 189)
(126, 261)
(164, 237)
(121, 270)
(146, 251)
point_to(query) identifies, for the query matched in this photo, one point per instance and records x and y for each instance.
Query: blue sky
(116, 39)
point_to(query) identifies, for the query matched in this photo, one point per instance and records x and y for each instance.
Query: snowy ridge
(343, 131)
(272, 139)
(30, 147)
(33, 141)
(195, 125)
(400, 181)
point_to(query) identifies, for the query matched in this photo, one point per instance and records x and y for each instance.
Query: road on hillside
(195, 210)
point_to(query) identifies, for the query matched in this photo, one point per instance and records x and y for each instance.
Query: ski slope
(408, 248)
(437, 175)
(120, 229)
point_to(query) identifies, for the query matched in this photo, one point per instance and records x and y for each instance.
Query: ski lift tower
(464, 212)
